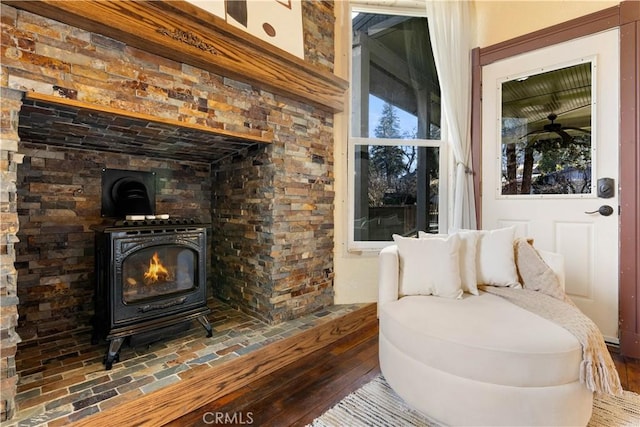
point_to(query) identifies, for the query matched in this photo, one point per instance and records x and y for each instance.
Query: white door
(550, 132)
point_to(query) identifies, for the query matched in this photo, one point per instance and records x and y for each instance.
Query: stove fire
(151, 272)
(156, 272)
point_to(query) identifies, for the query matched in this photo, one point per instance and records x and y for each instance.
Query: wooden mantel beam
(182, 32)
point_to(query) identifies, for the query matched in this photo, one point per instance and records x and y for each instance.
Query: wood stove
(150, 273)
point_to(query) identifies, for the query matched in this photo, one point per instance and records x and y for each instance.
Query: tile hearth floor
(62, 379)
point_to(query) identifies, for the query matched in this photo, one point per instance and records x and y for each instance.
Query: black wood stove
(150, 272)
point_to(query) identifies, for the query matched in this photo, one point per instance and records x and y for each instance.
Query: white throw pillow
(495, 261)
(467, 257)
(429, 266)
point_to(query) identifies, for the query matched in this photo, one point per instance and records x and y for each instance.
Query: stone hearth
(62, 378)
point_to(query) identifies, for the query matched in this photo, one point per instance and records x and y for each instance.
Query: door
(550, 140)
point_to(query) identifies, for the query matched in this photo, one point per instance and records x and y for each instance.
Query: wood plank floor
(628, 370)
(303, 390)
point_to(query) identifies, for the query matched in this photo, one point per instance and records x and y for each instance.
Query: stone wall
(272, 206)
(273, 221)
(9, 161)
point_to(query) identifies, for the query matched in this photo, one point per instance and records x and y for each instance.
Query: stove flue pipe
(130, 197)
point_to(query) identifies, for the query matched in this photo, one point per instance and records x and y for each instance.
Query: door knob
(604, 210)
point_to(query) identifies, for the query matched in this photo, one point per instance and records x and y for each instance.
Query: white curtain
(450, 31)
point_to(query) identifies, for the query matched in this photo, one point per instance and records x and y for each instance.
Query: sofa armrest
(556, 262)
(388, 275)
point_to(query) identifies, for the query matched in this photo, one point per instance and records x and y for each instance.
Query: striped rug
(376, 405)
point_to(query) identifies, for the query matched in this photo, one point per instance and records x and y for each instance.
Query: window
(395, 148)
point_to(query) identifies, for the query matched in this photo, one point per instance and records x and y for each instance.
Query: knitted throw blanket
(597, 371)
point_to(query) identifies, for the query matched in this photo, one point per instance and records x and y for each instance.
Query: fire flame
(156, 272)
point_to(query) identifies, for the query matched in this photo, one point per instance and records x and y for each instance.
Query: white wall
(497, 21)
(356, 274)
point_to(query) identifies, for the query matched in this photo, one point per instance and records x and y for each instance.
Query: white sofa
(478, 360)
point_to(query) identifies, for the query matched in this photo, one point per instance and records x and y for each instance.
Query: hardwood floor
(303, 390)
(628, 370)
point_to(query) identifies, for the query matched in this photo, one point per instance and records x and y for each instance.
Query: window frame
(353, 141)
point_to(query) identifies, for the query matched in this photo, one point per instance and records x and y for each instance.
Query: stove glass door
(158, 271)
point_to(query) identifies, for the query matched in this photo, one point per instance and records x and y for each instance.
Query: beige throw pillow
(534, 273)
(429, 266)
(468, 243)
(495, 263)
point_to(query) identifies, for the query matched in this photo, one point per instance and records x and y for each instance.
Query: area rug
(376, 405)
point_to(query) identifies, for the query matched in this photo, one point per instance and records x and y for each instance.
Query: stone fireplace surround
(270, 204)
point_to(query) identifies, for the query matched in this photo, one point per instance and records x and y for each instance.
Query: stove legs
(113, 353)
(204, 321)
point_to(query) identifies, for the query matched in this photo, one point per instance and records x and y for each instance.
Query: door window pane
(546, 132)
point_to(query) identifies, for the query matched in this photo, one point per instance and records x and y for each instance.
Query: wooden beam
(185, 33)
(204, 386)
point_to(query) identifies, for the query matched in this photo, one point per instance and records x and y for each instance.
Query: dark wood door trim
(476, 131)
(626, 17)
(630, 179)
